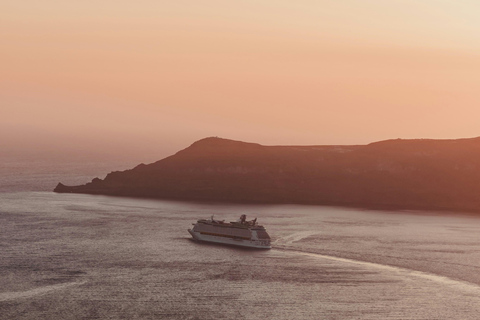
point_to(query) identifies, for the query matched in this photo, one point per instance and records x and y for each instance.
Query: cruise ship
(239, 233)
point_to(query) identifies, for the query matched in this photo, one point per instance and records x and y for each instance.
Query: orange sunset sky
(151, 77)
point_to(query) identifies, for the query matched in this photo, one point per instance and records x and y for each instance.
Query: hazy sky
(151, 77)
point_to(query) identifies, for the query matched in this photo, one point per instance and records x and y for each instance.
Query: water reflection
(79, 256)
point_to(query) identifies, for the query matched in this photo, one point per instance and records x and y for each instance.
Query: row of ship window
(235, 232)
(224, 235)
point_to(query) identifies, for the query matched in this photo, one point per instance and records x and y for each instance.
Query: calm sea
(67, 256)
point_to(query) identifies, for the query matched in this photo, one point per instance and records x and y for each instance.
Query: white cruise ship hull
(259, 244)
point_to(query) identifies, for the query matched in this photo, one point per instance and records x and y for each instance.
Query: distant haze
(123, 78)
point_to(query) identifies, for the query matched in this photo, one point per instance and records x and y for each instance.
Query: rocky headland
(420, 174)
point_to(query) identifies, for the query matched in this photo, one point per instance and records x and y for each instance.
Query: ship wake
(468, 287)
(7, 296)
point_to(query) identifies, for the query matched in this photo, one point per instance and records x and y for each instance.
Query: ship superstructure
(240, 233)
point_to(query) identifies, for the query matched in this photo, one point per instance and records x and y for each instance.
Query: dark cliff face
(409, 174)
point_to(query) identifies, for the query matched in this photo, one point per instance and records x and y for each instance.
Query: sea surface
(70, 256)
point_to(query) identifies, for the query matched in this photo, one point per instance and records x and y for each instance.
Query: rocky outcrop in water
(403, 174)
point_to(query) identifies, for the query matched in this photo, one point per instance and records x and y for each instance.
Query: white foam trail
(297, 236)
(460, 285)
(5, 296)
